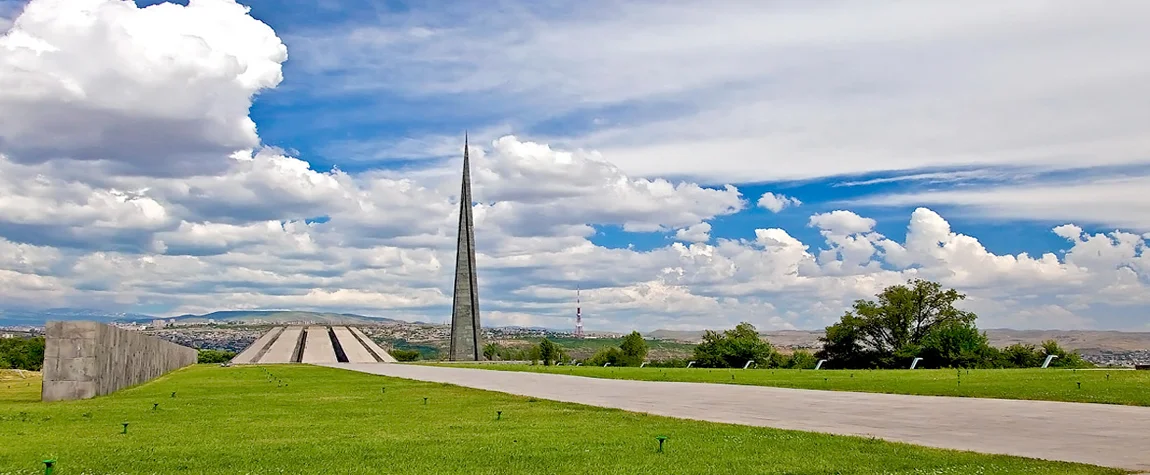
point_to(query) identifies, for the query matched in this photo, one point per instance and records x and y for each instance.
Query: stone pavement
(1099, 434)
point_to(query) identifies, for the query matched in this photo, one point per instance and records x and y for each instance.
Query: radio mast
(578, 314)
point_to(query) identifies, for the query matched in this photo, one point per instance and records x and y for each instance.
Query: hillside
(253, 317)
(274, 317)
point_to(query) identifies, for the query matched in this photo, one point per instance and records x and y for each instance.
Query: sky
(688, 165)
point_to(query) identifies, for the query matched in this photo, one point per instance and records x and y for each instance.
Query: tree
(958, 345)
(611, 355)
(802, 359)
(214, 356)
(887, 332)
(732, 348)
(1021, 355)
(548, 352)
(1065, 359)
(634, 349)
(490, 350)
(22, 353)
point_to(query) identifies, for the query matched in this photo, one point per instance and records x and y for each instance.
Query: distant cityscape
(237, 335)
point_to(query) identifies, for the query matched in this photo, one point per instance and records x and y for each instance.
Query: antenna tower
(578, 314)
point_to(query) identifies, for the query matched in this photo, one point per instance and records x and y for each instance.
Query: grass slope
(1098, 386)
(305, 419)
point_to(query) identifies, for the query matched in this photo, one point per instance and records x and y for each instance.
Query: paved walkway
(1107, 435)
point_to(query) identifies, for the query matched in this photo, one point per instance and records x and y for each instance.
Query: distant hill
(28, 317)
(252, 317)
(278, 317)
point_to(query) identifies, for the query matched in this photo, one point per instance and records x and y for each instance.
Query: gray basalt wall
(89, 359)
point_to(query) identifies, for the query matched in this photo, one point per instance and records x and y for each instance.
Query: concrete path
(1098, 434)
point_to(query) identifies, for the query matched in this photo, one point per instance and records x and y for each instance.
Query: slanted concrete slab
(352, 347)
(318, 347)
(1098, 434)
(252, 352)
(283, 349)
(371, 345)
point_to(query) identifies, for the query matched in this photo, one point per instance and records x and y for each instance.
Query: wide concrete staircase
(313, 344)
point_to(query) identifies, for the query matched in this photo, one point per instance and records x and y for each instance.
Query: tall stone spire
(465, 300)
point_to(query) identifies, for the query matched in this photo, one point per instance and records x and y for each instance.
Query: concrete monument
(465, 299)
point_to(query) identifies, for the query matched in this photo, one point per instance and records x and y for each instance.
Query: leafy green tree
(548, 352)
(491, 350)
(1065, 359)
(1021, 355)
(732, 348)
(888, 331)
(611, 355)
(634, 349)
(802, 359)
(22, 353)
(957, 345)
(214, 356)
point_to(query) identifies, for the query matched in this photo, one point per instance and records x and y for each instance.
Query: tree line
(918, 319)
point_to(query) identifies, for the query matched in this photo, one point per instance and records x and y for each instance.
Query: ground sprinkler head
(155, 405)
(661, 439)
(1080, 385)
(424, 401)
(498, 415)
(173, 394)
(383, 390)
(48, 464)
(125, 424)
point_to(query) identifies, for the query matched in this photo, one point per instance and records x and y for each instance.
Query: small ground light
(424, 401)
(661, 439)
(173, 394)
(1080, 385)
(48, 464)
(125, 424)
(155, 405)
(498, 415)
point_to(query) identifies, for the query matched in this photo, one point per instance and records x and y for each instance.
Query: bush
(733, 348)
(801, 359)
(405, 355)
(215, 356)
(957, 345)
(611, 355)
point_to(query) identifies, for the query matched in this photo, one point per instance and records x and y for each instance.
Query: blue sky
(619, 146)
(324, 126)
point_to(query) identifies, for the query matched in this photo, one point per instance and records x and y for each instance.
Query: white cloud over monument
(143, 182)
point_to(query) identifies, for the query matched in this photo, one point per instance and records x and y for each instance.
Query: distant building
(158, 323)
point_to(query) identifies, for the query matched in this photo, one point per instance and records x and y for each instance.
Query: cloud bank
(135, 179)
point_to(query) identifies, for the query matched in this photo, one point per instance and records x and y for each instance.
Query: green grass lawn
(306, 419)
(1098, 386)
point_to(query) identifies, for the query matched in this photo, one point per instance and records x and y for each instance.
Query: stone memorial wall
(89, 359)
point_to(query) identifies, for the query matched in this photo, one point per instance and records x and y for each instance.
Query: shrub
(733, 348)
(405, 355)
(215, 356)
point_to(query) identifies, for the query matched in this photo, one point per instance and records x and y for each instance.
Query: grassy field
(305, 419)
(1097, 386)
